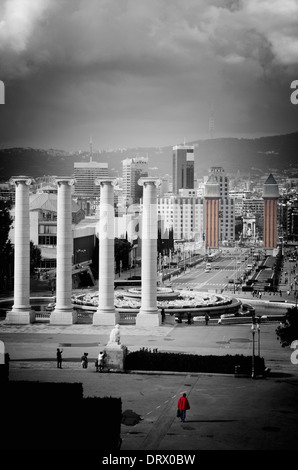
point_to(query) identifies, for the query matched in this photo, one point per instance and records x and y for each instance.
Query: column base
(20, 316)
(148, 319)
(105, 317)
(170, 320)
(63, 317)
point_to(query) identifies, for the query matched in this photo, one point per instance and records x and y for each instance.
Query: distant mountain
(260, 154)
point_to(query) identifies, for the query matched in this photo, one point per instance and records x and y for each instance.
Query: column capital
(109, 181)
(147, 180)
(65, 180)
(21, 180)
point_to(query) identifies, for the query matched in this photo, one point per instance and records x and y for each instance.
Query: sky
(140, 73)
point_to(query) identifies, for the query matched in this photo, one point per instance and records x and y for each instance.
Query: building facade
(132, 170)
(86, 192)
(183, 167)
(184, 214)
(226, 206)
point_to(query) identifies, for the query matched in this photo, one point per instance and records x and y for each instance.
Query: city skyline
(145, 74)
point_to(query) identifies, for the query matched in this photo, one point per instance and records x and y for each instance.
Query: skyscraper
(183, 167)
(270, 196)
(226, 205)
(85, 174)
(133, 169)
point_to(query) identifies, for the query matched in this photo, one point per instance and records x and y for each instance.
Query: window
(47, 240)
(48, 229)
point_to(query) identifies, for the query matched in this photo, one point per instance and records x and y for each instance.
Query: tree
(35, 258)
(6, 250)
(122, 248)
(288, 331)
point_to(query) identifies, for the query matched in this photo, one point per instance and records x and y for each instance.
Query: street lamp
(253, 330)
(259, 335)
(235, 273)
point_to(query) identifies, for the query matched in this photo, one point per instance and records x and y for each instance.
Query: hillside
(273, 152)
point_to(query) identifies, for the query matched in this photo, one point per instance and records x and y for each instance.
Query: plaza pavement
(226, 412)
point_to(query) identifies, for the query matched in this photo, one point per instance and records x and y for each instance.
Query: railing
(42, 316)
(127, 318)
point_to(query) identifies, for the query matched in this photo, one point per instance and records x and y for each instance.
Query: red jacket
(183, 404)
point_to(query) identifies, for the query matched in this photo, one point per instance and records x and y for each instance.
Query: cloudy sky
(145, 72)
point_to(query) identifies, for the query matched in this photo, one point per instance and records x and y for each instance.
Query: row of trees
(122, 249)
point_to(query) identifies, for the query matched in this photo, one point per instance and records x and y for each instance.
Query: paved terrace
(226, 412)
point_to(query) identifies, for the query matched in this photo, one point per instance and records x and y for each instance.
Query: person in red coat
(183, 405)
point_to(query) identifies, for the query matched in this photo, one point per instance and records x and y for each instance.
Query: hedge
(146, 359)
(48, 415)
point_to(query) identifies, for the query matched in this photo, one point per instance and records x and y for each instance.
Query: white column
(106, 313)
(21, 312)
(149, 314)
(63, 313)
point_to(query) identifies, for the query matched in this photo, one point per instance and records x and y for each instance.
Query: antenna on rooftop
(91, 148)
(211, 124)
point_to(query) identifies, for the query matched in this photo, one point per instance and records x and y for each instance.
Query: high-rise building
(86, 191)
(222, 179)
(270, 196)
(133, 169)
(226, 205)
(85, 174)
(183, 167)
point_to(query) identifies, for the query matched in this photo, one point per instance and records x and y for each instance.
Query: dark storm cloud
(145, 72)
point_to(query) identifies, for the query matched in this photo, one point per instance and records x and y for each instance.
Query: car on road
(208, 268)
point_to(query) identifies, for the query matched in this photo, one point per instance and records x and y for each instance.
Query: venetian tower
(212, 197)
(270, 196)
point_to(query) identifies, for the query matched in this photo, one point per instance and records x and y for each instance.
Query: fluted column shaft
(105, 314)
(63, 313)
(149, 314)
(21, 311)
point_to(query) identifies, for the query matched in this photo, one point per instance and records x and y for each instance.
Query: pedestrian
(183, 405)
(59, 358)
(84, 360)
(206, 318)
(163, 315)
(189, 318)
(100, 360)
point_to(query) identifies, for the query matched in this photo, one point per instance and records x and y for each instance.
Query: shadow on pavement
(211, 420)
